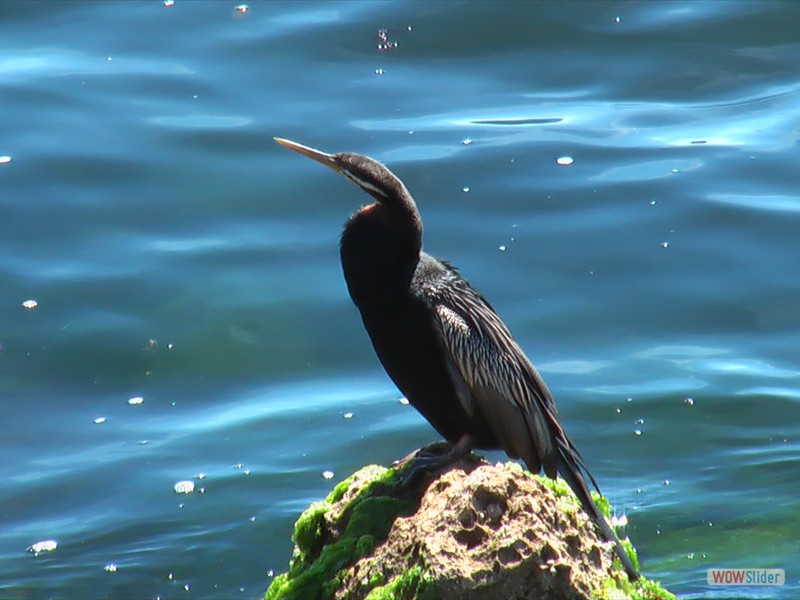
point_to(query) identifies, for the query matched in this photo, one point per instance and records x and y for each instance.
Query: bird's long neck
(380, 249)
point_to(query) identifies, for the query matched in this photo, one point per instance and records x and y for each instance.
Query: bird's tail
(571, 467)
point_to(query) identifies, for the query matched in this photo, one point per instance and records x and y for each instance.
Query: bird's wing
(490, 372)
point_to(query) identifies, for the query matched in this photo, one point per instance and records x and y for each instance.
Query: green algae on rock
(472, 531)
(337, 531)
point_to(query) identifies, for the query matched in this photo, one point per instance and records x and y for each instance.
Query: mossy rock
(472, 531)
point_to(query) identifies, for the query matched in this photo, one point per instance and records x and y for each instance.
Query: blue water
(179, 255)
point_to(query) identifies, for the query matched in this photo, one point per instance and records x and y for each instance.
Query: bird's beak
(321, 157)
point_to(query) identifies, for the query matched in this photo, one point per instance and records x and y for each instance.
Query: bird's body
(442, 343)
(409, 346)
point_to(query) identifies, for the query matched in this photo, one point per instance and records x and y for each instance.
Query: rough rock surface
(491, 533)
(474, 531)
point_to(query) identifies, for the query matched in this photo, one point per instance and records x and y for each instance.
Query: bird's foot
(424, 460)
(431, 458)
(435, 449)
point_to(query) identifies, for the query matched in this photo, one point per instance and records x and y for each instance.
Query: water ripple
(679, 352)
(780, 392)
(658, 387)
(522, 121)
(742, 366)
(201, 121)
(574, 367)
(761, 202)
(28, 64)
(644, 171)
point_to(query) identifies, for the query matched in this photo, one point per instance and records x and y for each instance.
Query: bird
(444, 345)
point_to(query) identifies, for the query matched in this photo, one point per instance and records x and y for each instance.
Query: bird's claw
(424, 460)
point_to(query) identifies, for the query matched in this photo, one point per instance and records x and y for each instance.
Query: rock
(474, 531)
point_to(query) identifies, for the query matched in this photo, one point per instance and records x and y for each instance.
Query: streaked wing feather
(498, 375)
(490, 372)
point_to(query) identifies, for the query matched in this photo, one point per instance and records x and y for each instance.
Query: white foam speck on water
(184, 487)
(43, 546)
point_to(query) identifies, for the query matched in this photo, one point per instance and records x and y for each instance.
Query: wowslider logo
(746, 577)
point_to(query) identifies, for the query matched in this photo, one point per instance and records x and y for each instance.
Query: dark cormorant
(443, 344)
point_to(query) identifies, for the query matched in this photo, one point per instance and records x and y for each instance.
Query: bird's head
(367, 173)
(382, 238)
